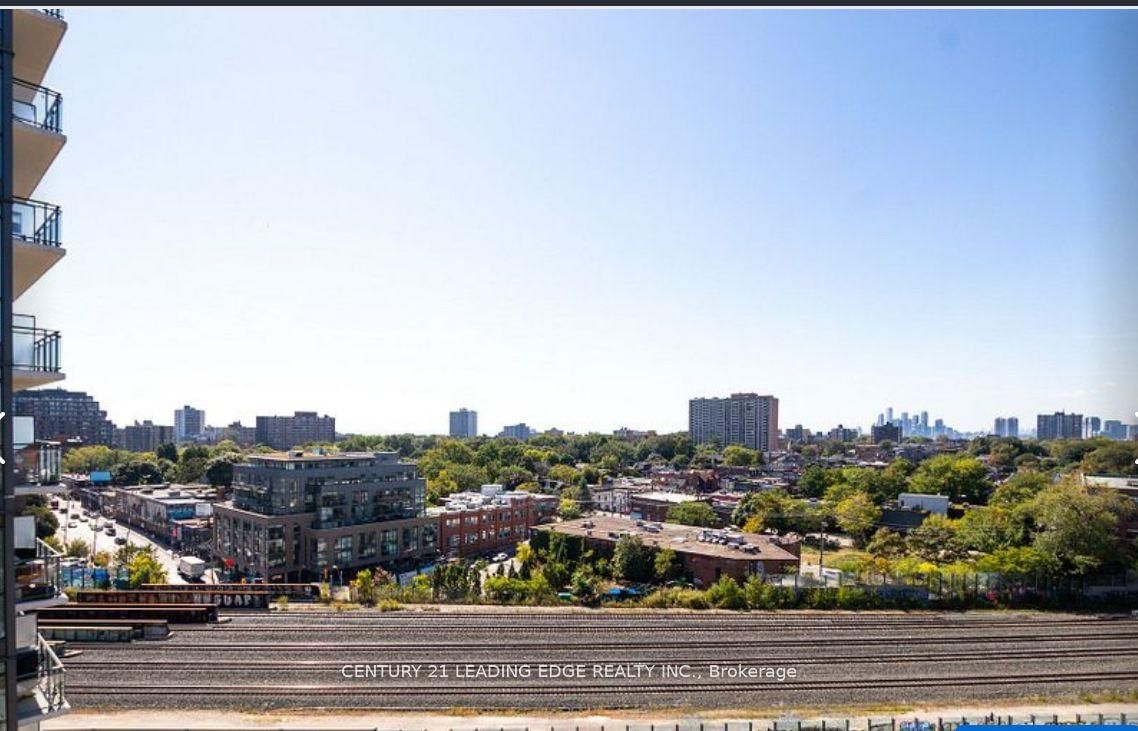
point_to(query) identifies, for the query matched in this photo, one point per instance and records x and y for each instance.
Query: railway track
(606, 688)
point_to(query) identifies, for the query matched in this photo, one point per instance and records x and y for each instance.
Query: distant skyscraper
(1059, 425)
(188, 423)
(889, 415)
(1092, 425)
(746, 419)
(1006, 427)
(885, 432)
(464, 423)
(880, 419)
(924, 423)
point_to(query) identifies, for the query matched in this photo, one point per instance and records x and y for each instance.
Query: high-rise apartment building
(521, 431)
(31, 136)
(885, 432)
(1059, 425)
(463, 423)
(746, 419)
(303, 427)
(62, 415)
(189, 423)
(1092, 426)
(1006, 426)
(144, 437)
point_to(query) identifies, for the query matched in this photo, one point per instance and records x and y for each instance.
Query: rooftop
(667, 497)
(300, 456)
(679, 538)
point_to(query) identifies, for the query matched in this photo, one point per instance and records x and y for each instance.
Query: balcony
(39, 682)
(37, 134)
(35, 354)
(36, 35)
(36, 469)
(36, 242)
(37, 569)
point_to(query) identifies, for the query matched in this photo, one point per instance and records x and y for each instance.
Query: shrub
(726, 594)
(282, 603)
(389, 605)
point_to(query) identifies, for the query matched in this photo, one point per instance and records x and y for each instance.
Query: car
(502, 557)
(73, 524)
(120, 540)
(83, 518)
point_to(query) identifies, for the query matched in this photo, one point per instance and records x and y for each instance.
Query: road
(532, 659)
(100, 541)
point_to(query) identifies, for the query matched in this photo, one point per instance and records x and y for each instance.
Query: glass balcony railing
(37, 105)
(34, 348)
(40, 677)
(36, 222)
(37, 464)
(37, 575)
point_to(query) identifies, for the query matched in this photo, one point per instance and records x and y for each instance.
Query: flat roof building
(303, 427)
(746, 419)
(463, 423)
(707, 553)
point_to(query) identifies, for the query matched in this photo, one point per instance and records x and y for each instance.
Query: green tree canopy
(694, 512)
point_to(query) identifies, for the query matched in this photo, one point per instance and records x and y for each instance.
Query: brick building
(475, 523)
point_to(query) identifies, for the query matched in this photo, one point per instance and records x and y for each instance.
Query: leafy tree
(511, 476)
(585, 584)
(726, 594)
(1077, 528)
(1114, 458)
(167, 451)
(77, 548)
(738, 456)
(856, 515)
(363, 586)
(564, 474)
(84, 460)
(667, 565)
(1016, 561)
(960, 477)
(55, 543)
(632, 560)
(46, 521)
(935, 540)
(568, 509)
(144, 568)
(815, 480)
(1019, 488)
(137, 473)
(219, 469)
(886, 544)
(694, 512)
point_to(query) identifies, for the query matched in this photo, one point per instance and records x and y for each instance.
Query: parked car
(73, 524)
(502, 557)
(120, 540)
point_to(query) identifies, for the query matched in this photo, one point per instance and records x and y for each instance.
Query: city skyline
(542, 240)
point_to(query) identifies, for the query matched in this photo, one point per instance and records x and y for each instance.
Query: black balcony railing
(37, 105)
(36, 222)
(33, 348)
(53, 12)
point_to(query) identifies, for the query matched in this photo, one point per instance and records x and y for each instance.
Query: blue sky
(583, 218)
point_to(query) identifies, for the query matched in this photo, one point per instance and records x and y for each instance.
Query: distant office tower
(61, 415)
(235, 432)
(145, 437)
(1092, 425)
(746, 419)
(885, 432)
(880, 419)
(303, 427)
(798, 434)
(464, 423)
(938, 427)
(842, 434)
(889, 415)
(188, 424)
(1059, 425)
(520, 431)
(924, 424)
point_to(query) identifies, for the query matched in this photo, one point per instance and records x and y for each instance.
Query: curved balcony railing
(36, 222)
(38, 106)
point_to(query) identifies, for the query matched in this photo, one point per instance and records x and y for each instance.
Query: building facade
(145, 437)
(491, 520)
(521, 432)
(303, 427)
(61, 415)
(463, 423)
(885, 432)
(746, 419)
(189, 423)
(297, 515)
(31, 136)
(1059, 425)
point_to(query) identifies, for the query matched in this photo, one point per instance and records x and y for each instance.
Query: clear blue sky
(583, 218)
